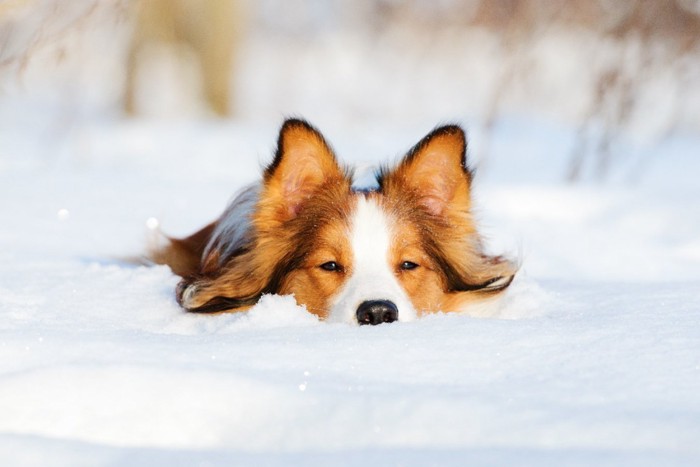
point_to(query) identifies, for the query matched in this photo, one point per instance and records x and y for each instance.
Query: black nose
(376, 312)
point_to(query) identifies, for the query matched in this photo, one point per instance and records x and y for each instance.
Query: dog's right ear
(303, 162)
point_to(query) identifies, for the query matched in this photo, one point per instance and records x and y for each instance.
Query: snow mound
(591, 358)
(271, 312)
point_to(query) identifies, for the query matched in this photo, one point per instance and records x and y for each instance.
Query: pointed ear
(303, 162)
(435, 170)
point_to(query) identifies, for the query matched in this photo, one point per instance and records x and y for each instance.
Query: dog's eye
(331, 266)
(408, 265)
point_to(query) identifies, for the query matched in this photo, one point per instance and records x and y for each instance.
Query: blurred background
(620, 76)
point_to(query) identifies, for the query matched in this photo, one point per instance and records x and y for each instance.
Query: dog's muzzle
(377, 312)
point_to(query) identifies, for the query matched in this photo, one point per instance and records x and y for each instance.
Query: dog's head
(407, 248)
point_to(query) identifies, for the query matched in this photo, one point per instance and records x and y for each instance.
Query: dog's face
(360, 266)
(407, 248)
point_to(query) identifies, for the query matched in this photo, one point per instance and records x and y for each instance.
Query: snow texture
(593, 358)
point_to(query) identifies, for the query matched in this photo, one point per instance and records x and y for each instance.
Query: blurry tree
(640, 26)
(646, 36)
(64, 56)
(28, 25)
(207, 31)
(609, 68)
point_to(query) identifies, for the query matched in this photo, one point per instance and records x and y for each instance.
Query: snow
(592, 358)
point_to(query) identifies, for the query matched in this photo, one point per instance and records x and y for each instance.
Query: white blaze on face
(371, 273)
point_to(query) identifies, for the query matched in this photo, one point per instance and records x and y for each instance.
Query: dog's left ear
(435, 170)
(435, 174)
(303, 162)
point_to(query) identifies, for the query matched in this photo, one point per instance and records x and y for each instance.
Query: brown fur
(434, 177)
(184, 255)
(301, 222)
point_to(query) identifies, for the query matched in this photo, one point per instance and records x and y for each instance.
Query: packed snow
(593, 357)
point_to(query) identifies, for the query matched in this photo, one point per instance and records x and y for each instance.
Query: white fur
(233, 230)
(371, 275)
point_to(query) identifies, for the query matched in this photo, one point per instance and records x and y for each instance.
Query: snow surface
(592, 359)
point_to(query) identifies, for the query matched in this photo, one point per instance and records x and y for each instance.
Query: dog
(393, 253)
